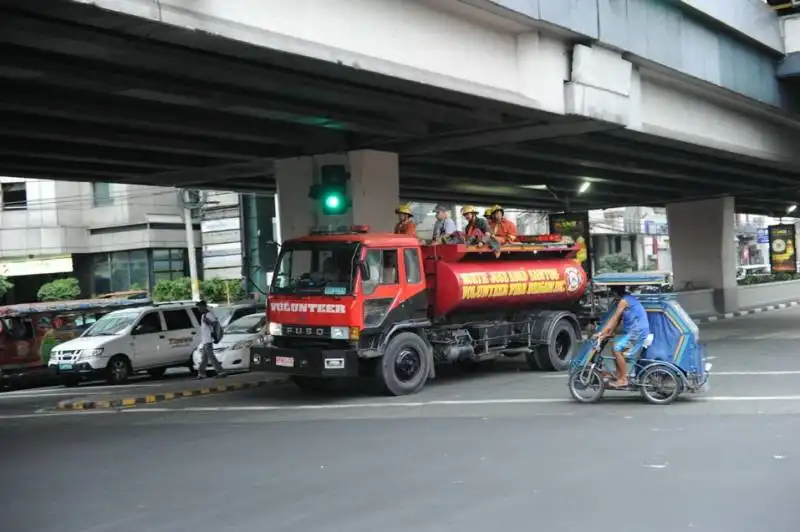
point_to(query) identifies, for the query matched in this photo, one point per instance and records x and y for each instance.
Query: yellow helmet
(488, 212)
(469, 208)
(494, 208)
(404, 208)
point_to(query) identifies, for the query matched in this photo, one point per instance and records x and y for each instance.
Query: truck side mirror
(362, 267)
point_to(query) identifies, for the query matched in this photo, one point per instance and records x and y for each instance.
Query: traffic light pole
(192, 255)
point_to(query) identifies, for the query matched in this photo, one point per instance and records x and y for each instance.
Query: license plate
(286, 362)
(65, 366)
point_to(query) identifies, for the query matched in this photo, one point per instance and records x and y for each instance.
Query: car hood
(85, 342)
(229, 340)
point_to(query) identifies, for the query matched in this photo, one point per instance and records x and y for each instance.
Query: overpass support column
(701, 237)
(374, 188)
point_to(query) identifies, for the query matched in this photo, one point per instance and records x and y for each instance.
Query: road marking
(712, 374)
(379, 405)
(420, 404)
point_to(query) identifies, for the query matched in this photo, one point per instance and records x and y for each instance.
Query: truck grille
(296, 342)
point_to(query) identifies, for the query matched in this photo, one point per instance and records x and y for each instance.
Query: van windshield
(312, 268)
(111, 324)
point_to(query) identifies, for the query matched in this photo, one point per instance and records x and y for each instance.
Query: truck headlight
(340, 333)
(275, 329)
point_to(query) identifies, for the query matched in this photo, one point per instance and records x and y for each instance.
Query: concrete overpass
(655, 103)
(491, 93)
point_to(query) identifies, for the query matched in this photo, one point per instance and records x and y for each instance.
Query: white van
(129, 341)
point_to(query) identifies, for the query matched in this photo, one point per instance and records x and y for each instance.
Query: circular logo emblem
(574, 278)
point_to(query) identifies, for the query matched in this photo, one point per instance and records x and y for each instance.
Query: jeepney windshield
(316, 268)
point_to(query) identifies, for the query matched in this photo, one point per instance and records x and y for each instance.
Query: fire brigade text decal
(320, 308)
(480, 285)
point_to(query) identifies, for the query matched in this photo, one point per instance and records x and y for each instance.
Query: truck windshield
(315, 268)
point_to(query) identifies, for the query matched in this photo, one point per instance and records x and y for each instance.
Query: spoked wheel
(586, 384)
(660, 385)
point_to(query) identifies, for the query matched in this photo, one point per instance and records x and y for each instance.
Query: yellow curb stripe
(166, 396)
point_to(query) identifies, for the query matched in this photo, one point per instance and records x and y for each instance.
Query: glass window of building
(15, 196)
(102, 273)
(101, 194)
(168, 264)
(121, 271)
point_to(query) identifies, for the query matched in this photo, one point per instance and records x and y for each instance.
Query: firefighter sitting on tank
(505, 231)
(477, 232)
(405, 225)
(636, 333)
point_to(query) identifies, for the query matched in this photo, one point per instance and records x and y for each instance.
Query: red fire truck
(349, 303)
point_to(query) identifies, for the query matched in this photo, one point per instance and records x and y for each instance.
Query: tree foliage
(211, 290)
(5, 285)
(222, 290)
(616, 263)
(59, 290)
(173, 290)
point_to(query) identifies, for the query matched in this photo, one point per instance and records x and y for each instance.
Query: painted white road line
(380, 405)
(769, 373)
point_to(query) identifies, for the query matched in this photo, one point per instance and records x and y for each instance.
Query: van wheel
(556, 355)
(404, 366)
(118, 369)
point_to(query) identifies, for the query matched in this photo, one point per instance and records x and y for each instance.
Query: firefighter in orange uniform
(503, 230)
(405, 226)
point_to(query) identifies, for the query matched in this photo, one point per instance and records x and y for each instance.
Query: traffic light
(331, 191)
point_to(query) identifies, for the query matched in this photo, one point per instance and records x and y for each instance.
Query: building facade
(109, 236)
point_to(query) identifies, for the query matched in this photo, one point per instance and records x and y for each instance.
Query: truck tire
(556, 355)
(404, 366)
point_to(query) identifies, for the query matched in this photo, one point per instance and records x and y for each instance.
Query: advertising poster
(782, 253)
(576, 226)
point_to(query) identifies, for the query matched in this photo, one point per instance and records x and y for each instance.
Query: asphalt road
(503, 450)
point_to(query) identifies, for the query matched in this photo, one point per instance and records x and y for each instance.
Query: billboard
(576, 226)
(782, 249)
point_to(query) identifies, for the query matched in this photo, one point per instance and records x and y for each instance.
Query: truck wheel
(556, 355)
(404, 366)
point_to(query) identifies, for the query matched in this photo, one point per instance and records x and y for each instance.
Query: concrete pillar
(374, 188)
(701, 235)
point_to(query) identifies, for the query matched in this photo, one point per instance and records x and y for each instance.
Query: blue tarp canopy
(675, 335)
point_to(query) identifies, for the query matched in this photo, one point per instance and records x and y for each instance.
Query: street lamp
(584, 187)
(791, 209)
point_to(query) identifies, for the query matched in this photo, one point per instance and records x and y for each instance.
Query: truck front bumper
(308, 362)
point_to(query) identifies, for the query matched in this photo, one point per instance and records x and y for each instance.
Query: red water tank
(461, 286)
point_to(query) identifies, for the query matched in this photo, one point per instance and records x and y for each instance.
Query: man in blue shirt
(444, 226)
(635, 331)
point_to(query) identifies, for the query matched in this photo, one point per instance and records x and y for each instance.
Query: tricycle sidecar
(673, 362)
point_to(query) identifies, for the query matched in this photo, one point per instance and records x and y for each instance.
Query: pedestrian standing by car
(210, 334)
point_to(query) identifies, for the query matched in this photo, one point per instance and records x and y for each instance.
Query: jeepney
(29, 331)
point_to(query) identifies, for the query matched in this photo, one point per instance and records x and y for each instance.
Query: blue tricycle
(673, 363)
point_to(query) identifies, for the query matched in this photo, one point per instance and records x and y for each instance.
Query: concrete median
(168, 393)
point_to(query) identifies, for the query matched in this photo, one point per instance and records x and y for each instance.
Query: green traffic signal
(334, 203)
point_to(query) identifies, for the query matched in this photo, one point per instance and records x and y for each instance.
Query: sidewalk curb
(739, 314)
(148, 399)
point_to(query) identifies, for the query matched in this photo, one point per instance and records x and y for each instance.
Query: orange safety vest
(405, 228)
(505, 231)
